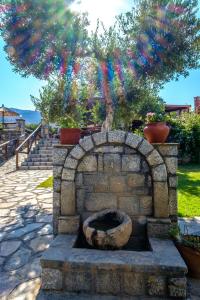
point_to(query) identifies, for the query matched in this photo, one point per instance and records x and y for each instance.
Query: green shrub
(185, 130)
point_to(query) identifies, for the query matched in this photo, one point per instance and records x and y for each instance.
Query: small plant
(153, 117)
(68, 122)
(185, 239)
(74, 118)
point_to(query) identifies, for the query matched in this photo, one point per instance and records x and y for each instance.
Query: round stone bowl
(108, 229)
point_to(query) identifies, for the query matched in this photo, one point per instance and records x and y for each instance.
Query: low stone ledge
(68, 224)
(133, 273)
(158, 228)
(52, 279)
(167, 149)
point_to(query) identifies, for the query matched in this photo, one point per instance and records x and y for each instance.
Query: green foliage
(51, 100)
(41, 35)
(76, 118)
(185, 130)
(139, 100)
(153, 43)
(168, 32)
(175, 232)
(189, 190)
(153, 117)
(31, 127)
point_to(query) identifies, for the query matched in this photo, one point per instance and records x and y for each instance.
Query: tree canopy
(156, 41)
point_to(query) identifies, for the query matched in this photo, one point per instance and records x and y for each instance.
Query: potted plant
(70, 131)
(156, 129)
(71, 124)
(189, 247)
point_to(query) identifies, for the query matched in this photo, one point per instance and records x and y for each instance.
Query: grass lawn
(46, 184)
(188, 190)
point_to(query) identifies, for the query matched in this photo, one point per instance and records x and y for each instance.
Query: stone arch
(118, 137)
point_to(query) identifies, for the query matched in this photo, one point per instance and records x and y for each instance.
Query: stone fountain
(134, 183)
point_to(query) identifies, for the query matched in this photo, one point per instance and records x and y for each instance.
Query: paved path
(26, 231)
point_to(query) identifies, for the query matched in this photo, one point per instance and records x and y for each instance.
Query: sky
(15, 90)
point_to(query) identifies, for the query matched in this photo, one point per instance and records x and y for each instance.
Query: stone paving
(26, 231)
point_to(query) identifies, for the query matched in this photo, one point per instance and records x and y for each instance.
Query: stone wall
(115, 169)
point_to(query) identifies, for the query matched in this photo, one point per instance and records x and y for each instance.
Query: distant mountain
(30, 116)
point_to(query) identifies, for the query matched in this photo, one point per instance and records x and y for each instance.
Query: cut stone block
(156, 286)
(131, 163)
(135, 180)
(145, 148)
(161, 204)
(68, 205)
(77, 152)
(96, 202)
(146, 205)
(133, 140)
(129, 205)
(154, 158)
(109, 149)
(112, 163)
(133, 284)
(167, 149)
(172, 164)
(159, 173)
(71, 163)
(107, 283)
(51, 279)
(57, 172)
(117, 136)
(59, 156)
(68, 224)
(68, 175)
(88, 164)
(78, 280)
(100, 138)
(173, 181)
(56, 185)
(158, 228)
(118, 184)
(173, 206)
(87, 143)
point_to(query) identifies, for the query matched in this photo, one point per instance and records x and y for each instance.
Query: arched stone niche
(78, 162)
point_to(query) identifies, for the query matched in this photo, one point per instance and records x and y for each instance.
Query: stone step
(37, 155)
(28, 163)
(48, 143)
(39, 159)
(44, 147)
(36, 168)
(42, 152)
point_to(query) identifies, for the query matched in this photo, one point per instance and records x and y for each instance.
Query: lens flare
(27, 44)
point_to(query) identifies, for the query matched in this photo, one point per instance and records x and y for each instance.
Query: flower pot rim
(71, 128)
(155, 123)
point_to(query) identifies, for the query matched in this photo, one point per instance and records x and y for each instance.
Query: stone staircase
(41, 156)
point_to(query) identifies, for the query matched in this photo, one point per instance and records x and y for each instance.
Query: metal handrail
(27, 143)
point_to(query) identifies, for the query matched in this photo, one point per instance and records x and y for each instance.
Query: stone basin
(108, 229)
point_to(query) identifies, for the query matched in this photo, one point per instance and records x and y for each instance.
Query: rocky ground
(26, 231)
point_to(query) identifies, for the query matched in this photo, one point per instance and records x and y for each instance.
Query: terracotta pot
(70, 136)
(191, 258)
(156, 132)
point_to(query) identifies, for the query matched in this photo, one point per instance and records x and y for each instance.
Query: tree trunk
(107, 124)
